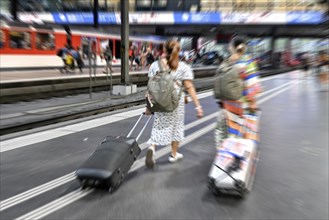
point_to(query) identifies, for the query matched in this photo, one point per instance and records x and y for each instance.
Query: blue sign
(197, 18)
(107, 18)
(73, 18)
(304, 17)
(84, 18)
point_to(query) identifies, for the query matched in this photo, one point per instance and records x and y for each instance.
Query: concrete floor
(291, 181)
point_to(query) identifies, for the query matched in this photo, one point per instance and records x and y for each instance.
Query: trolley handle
(135, 125)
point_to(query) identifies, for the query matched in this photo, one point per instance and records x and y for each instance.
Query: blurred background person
(107, 55)
(62, 52)
(79, 59)
(306, 63)
(149, 57)
(131, 56)
(138, 60)
(69, 61)
(323, 69)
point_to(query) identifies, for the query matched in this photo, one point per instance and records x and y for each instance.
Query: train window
(45, 41)
(20, 40)
(2, 39)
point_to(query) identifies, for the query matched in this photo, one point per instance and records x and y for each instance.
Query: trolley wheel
(84, 185)
(212, 187)
(243, 193)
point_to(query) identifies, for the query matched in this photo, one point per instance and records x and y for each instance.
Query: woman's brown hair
(172, 47)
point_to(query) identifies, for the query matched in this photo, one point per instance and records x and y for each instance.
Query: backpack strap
(161, 67)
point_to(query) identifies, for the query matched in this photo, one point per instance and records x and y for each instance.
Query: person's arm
(189, 87)
(151, 72)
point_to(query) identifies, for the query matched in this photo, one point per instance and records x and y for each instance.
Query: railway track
(53, 118)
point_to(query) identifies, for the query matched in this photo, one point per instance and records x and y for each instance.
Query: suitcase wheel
(240, 185)
(241, 189)
(242, 193)
(212, 187)
(84, 184)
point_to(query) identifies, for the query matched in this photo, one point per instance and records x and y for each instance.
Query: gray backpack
(228, 84)
(161, 93)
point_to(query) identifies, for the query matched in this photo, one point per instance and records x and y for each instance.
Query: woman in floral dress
(168, 127)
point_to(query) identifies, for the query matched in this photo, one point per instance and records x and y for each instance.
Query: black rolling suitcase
(111, 161)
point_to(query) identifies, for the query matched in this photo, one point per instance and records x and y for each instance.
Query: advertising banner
(73, 18)
(197, 18)
(266, 17)
(114, 18)
(38, 18)
(107, 18)
(305, 17)
(151, 18)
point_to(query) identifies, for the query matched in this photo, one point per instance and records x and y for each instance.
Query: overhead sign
(197, 18)
(266, 17)
(188, 18)
(107, 18)
(73, 18)
(38, 18)
(305, 17)
(151, 18)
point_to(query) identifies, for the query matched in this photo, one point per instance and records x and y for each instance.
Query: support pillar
(273, 56)
(124, 42)
(125, 88)
(95, 13)
(13, 9)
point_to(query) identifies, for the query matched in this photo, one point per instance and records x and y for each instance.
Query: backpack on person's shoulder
(162, 95)
(228, 84)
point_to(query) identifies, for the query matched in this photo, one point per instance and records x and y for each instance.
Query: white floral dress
(169, 126)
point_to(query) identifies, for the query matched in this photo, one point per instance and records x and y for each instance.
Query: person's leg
(64, 65)
(150, 157)
(105, 67)
(130, 63)
(110, 66)
(175, 155)
(80, 65)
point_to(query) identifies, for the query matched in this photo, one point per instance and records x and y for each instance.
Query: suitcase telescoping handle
(140, 133)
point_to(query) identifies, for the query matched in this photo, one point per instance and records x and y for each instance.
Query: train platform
(10, 76)
(30, 75)
(51, 108)
(30, 85)
(22, 115)
(291, 181)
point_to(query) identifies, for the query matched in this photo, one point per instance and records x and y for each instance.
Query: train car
(25, 46)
